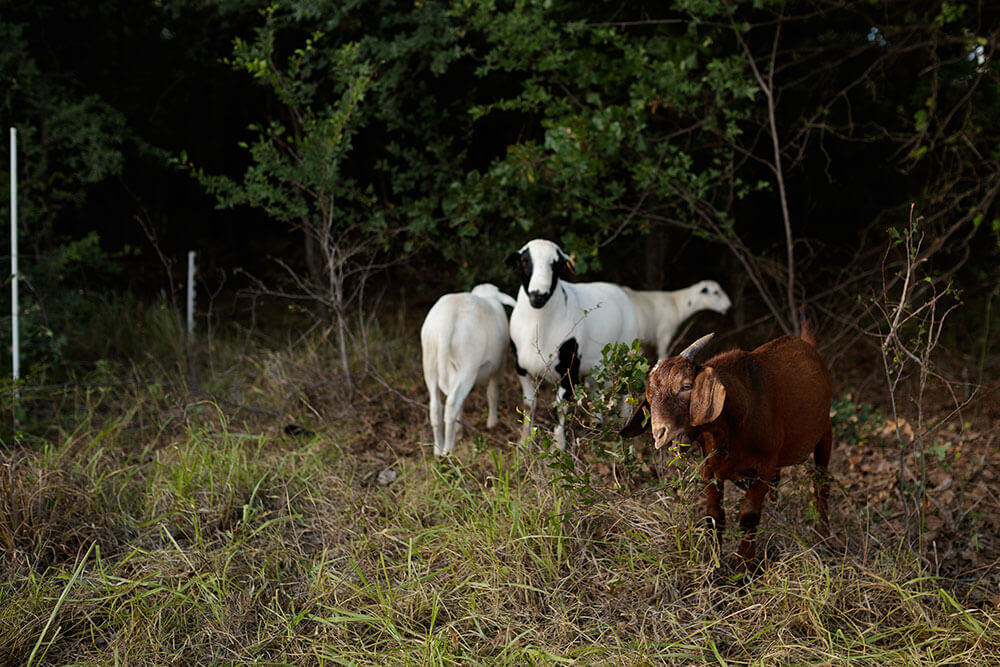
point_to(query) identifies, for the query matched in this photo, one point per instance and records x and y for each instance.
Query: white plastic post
(190, 293)
(14, 324)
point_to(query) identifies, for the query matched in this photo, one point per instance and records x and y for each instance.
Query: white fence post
(14, 323)
(190, 293)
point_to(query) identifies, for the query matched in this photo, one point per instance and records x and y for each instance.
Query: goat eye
(686, 386)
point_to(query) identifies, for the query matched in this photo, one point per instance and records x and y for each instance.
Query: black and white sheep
(463, 338)
(558, 328)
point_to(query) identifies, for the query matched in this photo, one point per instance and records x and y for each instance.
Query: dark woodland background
(313, 148)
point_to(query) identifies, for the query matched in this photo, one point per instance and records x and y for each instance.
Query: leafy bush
(619, 380)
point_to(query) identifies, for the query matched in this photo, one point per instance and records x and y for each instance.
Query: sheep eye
(704, 290)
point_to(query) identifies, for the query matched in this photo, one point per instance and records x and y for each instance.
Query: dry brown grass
(151, 525)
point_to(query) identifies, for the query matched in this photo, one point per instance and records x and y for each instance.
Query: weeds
(153, 525)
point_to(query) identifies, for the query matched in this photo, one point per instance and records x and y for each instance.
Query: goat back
(786, 395)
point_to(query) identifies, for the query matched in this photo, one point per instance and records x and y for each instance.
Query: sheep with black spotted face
(558, 328)
(463, 339)
(660, 313)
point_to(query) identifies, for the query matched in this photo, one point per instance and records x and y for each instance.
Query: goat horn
(696, 346)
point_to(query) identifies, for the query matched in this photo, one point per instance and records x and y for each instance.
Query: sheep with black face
(558, 328)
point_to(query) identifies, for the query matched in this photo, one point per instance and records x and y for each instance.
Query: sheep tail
(808, 332)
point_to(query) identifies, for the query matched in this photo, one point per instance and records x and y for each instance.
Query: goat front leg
(750, 517)
(714, 493)
(714, 487)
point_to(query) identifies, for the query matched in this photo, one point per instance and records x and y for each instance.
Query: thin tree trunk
(342, 342)
(312, 251)
(767, 87)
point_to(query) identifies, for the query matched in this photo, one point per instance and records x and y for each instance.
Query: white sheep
(463, 339)
(661, 313)
(558, 329)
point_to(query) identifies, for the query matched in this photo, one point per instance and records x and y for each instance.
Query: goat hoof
(737, 570)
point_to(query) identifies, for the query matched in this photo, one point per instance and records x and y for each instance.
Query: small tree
(296, 173)
(908, 325)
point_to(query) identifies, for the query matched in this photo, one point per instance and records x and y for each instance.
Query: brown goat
(751, 413)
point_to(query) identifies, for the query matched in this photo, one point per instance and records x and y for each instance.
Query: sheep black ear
(513, 259)
(565, 268)
(638, 422)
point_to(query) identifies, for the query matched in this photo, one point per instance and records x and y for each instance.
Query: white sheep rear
(463, 338)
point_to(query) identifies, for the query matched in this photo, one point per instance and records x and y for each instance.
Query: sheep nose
(538, 299)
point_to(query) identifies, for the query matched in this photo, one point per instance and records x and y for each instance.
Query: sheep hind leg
(436, 410)
(821, 478)
(453, 411)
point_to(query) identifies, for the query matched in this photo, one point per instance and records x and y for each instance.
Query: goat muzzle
(663, 437)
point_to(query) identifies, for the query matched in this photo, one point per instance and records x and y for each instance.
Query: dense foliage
(772, 140)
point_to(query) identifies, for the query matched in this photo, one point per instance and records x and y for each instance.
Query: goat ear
(638, 422)
(708, 397)
(512, 259)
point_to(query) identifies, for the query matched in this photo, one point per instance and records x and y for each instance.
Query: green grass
(149, 524)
